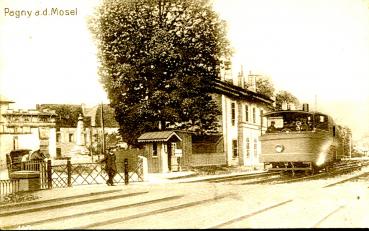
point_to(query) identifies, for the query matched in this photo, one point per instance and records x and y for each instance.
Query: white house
(25, 129)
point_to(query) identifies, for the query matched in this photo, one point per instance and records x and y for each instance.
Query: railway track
(243, 177)
(277, 178)
(242, 219)
(96, 212)
(118, 208)
(226, 178)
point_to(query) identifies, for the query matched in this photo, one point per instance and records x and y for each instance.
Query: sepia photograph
(184, 114)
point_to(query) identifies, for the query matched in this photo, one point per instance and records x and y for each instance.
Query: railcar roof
(292, 111)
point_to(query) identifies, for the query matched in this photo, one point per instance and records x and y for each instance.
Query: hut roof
(160, 136)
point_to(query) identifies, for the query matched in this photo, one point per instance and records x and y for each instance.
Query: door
(170, 153)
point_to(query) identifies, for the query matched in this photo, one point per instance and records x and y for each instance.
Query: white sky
(307, 47)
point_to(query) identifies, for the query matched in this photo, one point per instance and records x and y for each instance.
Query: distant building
(66, 126)
(26, 129)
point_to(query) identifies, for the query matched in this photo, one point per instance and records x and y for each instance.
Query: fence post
(49, 178)
(126, 171)
(69, 173)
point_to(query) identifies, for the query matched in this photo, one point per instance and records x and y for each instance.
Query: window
(154, 149)
(235, 148)
(247, 147)
(253, 115)
(255, 148)
(58, 152)
(261, 117)
(44, 119)
(15, 142)
(58, 137)
(70, 137)
(247, 113)
(233, 108)
(321, 122)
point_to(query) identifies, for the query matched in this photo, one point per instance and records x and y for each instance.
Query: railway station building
(241, 121)
(234, 143)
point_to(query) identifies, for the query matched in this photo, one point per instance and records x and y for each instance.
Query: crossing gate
(67, 175)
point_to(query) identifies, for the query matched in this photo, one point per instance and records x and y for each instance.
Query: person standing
(110, 166)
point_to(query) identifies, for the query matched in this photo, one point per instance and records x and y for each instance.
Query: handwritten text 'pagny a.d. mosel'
(53, 11)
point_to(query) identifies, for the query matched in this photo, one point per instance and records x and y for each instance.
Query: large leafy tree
(285, 97)
(67, 115)
(158, 61)
(265, 86)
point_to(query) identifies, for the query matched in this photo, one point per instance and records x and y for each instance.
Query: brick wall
(207, 159)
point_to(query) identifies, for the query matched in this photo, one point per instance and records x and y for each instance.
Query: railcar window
(321, 122)
(288, 122)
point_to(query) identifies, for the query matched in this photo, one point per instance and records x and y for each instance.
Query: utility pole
(91, 143)
(102, 128)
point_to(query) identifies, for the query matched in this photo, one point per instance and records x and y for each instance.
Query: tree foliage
(265, 86)
(158, 61)
(109, 117)
(285, 97)
(66, 114)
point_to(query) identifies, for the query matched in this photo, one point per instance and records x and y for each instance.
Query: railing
(67, 175)
(9, 186)
(80, 174)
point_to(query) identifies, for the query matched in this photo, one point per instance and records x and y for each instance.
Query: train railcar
(301, 140)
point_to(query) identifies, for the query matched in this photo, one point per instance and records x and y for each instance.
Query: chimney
(305, 107)
(284, 105)
(252, 82)
(241, 82)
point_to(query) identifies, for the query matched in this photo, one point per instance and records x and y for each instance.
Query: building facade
(241, 122)
(236, 141)
(26, 129)
(93, 129)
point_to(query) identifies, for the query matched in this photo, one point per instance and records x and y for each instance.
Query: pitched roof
(160, 136)
(223, 87)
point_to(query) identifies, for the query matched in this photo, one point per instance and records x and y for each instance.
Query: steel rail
(68, 204)
(94, 212)
(243, 217)
(348, 179)
(243, 177)
(151, 213)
